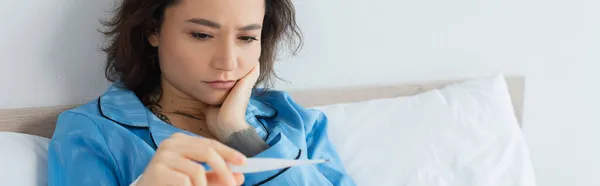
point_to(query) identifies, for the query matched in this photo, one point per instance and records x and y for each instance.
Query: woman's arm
(318, 147)
(247, 141)
(78, 154)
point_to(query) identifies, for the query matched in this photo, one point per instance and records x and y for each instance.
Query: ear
(153, 39)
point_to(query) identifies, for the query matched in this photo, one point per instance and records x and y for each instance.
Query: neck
(175, 101)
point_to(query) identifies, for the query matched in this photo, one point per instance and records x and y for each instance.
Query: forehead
(221, 11)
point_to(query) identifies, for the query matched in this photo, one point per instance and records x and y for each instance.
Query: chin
(214, 98)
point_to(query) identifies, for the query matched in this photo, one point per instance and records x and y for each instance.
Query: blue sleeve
(318, 146)
(78, 154)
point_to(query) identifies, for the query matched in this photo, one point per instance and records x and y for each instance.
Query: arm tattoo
(247, 141)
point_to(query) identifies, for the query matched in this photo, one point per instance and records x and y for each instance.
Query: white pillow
(23, 159)
(462, 135)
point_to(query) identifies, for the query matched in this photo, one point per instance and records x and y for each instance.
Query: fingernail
(232, 180)
(242, 159)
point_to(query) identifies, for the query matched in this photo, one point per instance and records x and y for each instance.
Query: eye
(248, 39)
(200, 36)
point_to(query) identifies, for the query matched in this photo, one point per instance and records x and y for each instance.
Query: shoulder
(279, 100)
(82, 128)
(75, 131)
(290, 110)
(79, 147)
(81, 121)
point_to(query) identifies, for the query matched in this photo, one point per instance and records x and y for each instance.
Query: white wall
(51, 56)
(50, 52)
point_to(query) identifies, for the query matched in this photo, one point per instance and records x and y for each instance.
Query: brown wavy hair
(132, 61)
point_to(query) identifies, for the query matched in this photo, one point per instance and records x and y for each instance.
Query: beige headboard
(41, 121)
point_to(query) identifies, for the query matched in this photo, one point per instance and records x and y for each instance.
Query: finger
(213, 178)
(190, 146)
(194, 172)
(240, 94)
(178, 178)
(229, 154)
(252, 76)
(206, 150)
(239, 178)
(217, 163)
(246, 83)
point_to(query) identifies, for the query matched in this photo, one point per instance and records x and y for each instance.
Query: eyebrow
(215, 25)
(251, 27)
(204, 22)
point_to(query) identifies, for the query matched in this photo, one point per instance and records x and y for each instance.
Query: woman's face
(205, 46)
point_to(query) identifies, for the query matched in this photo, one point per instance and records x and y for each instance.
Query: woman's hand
(177, 162)
(230, 117)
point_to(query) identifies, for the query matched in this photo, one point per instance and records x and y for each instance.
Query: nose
(225, 57)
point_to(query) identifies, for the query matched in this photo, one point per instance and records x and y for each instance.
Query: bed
(457, 132)
(41, 121)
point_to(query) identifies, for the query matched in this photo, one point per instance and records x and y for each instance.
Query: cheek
(256, 50)
(250, 56)
(180, 54)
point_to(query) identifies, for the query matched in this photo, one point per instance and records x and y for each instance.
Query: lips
(221, 84)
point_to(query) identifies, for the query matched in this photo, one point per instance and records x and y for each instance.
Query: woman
(184, 98)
